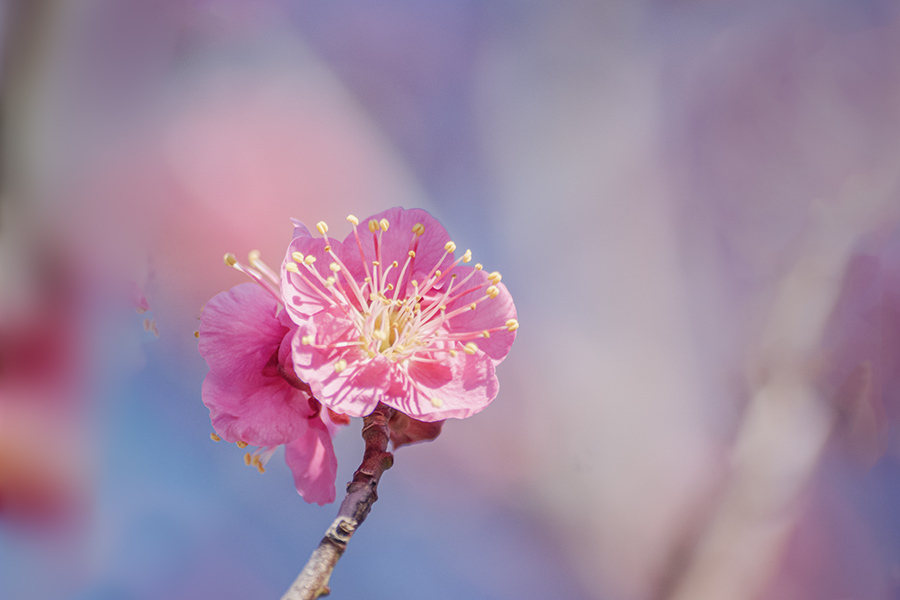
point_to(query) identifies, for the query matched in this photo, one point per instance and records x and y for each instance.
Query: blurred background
(695, 205)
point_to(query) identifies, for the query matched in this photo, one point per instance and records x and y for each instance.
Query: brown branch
(312, 582)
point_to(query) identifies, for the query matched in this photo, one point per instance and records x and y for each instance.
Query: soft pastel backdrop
(694, 204)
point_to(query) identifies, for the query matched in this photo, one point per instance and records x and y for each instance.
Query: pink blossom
(391, 315)
(251, 391)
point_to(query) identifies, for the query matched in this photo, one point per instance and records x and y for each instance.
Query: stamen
(450, 247)
(373, 226)
(412, 253)
(197, 334)
(486, 333)
(334, 267)
(384, 224)
(492, 291)
(437, 402)
(247, 459)
(215, 437)
(306, 340)
(310, 259)
(478, 266)
(512, 325)
(418, 229)
(473, 306)
(353, 220)
(467, 257)
(297, 256)
(292, 267)
(340, 365)
(230, 259)
(470, 348)
(241, 444)
(495, 277)
(322, 227)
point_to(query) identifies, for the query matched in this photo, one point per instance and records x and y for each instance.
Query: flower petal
(239, 331)
(396, 241)
(248, 399)
(462, 385)
(489, 313)
(312, 460)
(353, 391)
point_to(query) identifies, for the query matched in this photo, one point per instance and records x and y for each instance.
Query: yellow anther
(450, 247)
(353, 220)
(470, 348)
(486, 333)
(390, 286)
(214, 437)
(329, 281)
(241, 444)
(197, 334)
(260, 467)
(373, 225)
(473, 306)
(247, 459)
(310, 259)
(495, 277)
(453, 353)
(492, 291)
(253, 255)
(327, 248)
(478, 266)
(297, 256)
(512, 325)
(322, 227)
(379, 335)
(376, 263)
(292, 267)
(438, 273)
(418, 229)
(395, 264)
(384, 224)
(415, 283)
(437, 402)
(467, 257)
(334, 267)
(340, 365)
(230, 260)
(306, 340)
(412, 253)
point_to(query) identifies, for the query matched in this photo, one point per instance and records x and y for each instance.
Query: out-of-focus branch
(312, 582)
(786, 423)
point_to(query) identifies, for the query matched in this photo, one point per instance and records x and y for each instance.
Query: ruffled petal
(397, 241)
(247, 397)
(313, 463)
(462, 385)
(352, 391)
(239, 330)
(488, 314)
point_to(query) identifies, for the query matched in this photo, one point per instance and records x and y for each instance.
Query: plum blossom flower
(252, 393)
(391, 315)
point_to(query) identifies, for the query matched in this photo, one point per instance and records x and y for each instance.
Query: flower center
(406, 320)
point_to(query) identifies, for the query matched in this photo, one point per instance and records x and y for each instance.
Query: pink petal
(353, 391)
(248, 399)
(239, 331)
(464, 384)
(312, 461)
(265, 412)
(395, 242)
(489, 313)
